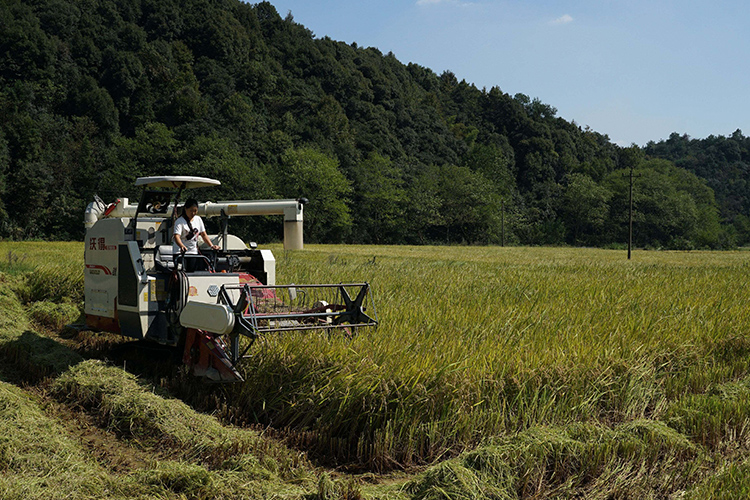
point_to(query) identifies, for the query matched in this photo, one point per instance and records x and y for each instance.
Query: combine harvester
(135, 285)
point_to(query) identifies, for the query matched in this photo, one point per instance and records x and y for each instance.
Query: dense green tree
(26, 51)
(454, 205)
(96, 93)
(86, 98)
(724, 163)
(672, 207)
(494, 164)
(379, 201)
(585, 209)
(311, 174)
(4, 165)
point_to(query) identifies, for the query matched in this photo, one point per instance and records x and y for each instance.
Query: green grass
(533, 371)
(731, 482)
(35, 355)
(39, 460)
(188, 454)
(53, 316)
(632, 460)
(141, 412)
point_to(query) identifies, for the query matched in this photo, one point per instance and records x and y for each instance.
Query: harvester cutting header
(139, 284)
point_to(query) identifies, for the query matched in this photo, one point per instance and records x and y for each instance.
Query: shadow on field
(145, 359)
(31, 357)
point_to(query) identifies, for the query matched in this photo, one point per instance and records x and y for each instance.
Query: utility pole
(630, 223)
(630, 158)
(502, 222)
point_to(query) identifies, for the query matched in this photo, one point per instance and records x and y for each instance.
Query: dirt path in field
(111, 452)
(118, 455)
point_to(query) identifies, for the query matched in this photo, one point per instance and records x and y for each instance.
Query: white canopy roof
(176, 181)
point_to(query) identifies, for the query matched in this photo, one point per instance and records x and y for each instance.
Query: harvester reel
(260, 309)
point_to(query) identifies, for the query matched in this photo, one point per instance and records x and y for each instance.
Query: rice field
(514, 372)
(477, 342)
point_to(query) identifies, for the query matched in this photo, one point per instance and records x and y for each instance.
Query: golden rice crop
(476, 342)
(480, 342)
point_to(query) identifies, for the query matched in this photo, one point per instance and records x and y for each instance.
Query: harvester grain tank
(137, 286)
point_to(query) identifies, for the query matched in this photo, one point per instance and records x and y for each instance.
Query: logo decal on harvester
(97, 269)
(100, 244)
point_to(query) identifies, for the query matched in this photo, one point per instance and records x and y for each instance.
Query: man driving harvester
(185, 235)
(139, 281)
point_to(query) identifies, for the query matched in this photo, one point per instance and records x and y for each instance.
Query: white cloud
(567, 18)
(446, 2)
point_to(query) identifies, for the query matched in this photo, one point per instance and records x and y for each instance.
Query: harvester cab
(137, 286)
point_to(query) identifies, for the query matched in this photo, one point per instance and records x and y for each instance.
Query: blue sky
(634, 70)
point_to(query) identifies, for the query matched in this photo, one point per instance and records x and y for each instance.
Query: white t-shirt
(181, 228)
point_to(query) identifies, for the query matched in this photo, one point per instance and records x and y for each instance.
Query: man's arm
(179, 242)
(208, 241)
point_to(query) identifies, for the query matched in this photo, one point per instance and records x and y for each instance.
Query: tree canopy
(95, 93)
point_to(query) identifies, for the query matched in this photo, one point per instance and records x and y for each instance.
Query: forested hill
(725, 164)
(94, 93)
